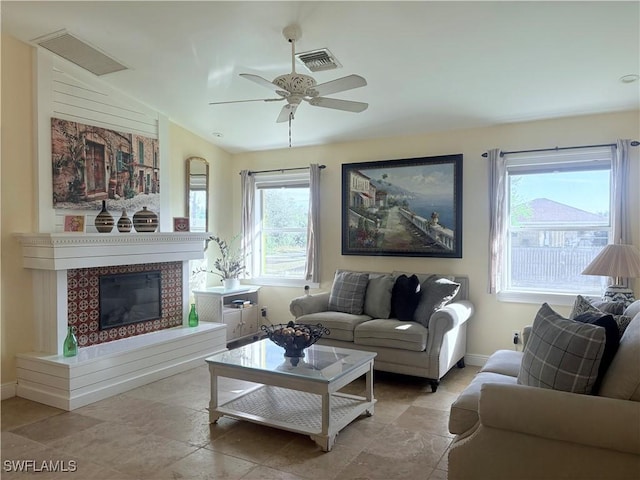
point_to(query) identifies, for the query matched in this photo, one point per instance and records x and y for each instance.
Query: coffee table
(296, 394)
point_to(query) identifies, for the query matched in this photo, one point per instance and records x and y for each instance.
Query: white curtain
(312, 264)
(497, 220)
(620, 216)
(248, 216)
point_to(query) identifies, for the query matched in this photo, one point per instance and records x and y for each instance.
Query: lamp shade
(622, 261)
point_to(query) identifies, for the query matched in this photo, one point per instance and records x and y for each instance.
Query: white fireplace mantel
(63, 251)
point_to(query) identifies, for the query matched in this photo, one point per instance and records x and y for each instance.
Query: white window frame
(278, 180)
(532, 162)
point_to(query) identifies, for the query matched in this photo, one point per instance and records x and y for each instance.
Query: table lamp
(617, 261)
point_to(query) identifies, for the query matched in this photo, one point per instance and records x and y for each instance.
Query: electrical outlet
(515, 336)
(263, 310)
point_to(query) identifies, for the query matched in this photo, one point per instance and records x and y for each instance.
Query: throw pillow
(405, 297)
(436, 293)
(612, 341)
(582, 305)
(614, 308)
(377, 300)
(561, 354)
(347, 292)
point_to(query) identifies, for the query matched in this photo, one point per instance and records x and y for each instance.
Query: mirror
(198, 194)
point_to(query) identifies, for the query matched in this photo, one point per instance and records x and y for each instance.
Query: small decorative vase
(124, 223)
(145, 221)
(231, 283)
(70, 345)
(193, 316)
(104, 220)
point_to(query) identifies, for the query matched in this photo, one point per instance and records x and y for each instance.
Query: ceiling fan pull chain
(290, 118)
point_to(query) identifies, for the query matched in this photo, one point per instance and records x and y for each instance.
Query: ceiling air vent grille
(79, 52)
(318, 60)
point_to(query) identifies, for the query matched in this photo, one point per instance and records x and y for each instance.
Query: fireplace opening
(128, 298)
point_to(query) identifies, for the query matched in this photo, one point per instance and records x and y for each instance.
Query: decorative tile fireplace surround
(108, 364)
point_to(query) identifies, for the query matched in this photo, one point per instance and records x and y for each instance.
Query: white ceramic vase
(231, 283)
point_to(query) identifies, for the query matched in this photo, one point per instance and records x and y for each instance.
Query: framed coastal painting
(409, 207)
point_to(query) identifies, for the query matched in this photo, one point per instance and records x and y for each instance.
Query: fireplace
(67, 270)
(110, 303)
(129, 298)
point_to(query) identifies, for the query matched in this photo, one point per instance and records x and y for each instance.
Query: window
(281, 218)
(557, 221)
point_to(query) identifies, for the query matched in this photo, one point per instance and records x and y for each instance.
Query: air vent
(318, 60)
(79, 52)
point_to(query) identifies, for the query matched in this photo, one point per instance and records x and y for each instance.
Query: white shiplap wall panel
(64, 90)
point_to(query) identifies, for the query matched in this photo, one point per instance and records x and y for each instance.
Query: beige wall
(17, 212)
(491, 326)
(489, 329)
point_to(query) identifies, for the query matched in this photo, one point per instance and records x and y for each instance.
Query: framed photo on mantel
(180, 224)
(74, 223)
(409, 207)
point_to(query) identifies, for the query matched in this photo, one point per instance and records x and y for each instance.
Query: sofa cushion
(340, 325)
(504, 362)
(377, 300)
(435, 293)
(561, 354)
(348, 291)
(405, 297)
(623, 377)
(612, 339)
(464, 411)
(582, 305)
(392, 334)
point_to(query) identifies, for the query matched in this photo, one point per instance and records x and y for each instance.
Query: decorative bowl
(294, 337)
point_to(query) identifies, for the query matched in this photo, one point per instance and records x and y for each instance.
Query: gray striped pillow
(561, 354)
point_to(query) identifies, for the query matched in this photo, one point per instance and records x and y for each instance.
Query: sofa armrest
(599, 422)
(445, 319)
(318, 302)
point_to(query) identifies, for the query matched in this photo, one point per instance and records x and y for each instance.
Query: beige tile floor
(161, 431)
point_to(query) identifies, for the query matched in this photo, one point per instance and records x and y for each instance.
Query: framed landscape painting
(410, 207)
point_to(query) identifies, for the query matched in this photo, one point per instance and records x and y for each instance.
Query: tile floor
(161, 431)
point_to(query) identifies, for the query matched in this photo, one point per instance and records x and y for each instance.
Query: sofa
(422, 333)
(508, 430)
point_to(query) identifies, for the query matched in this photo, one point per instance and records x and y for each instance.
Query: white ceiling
(430, 66)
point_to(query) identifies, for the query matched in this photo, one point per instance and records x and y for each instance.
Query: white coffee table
(300, 397)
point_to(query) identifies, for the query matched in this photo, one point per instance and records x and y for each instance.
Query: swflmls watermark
(36, 466)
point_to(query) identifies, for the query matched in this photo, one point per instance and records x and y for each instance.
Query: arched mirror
(198, 194)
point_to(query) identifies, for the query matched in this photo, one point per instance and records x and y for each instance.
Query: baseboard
(8, 390)
(475, 359)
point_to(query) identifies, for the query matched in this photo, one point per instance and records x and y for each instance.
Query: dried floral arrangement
(230, 264)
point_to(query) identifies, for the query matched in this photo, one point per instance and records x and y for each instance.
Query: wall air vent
(77, 51)
(318, 60)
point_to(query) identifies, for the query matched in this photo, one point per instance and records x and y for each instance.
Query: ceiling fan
(297, 87)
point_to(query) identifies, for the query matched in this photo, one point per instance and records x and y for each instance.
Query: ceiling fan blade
(287, 111)
(262, 81)
(346, 105)
(339, 85)
(245, 101)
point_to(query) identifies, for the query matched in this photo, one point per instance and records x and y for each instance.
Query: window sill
(538, 298)
(282, 282)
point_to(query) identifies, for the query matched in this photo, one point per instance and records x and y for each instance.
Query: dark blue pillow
(612, 341)
(405, 297)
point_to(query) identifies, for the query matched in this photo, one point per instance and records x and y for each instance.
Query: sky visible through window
(586, 190)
